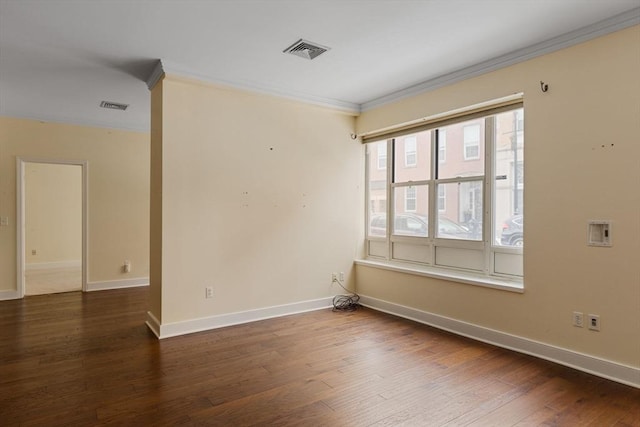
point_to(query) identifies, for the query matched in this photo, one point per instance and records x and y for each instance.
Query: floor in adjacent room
(87, 359)
(51, 281)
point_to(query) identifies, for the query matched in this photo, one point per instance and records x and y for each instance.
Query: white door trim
(20, 229)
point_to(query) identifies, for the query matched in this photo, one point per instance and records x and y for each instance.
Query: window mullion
(390, 193)
(461, 179)
(410, 183)
(487, 221)
(433, 198)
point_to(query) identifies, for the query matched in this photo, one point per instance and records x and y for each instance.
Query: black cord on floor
(345, 302)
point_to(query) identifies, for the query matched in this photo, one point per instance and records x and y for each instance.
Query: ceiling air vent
(306, 49)
(113, 105)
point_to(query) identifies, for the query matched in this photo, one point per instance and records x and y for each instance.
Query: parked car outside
(513, 231)
(409, 224)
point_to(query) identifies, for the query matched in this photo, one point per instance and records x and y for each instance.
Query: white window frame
(471, 258)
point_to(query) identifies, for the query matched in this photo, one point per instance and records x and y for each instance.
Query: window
(377, 188)
(475, 219)
(471, 142)
(509, 185)
(410, 154)
(410, 199)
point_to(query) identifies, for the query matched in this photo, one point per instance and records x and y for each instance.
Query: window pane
(442, 198)
(509, 182)
(413, 157)
(461, 217)
(382, 155)
(377, 188)
(464, 144)
(411, 206)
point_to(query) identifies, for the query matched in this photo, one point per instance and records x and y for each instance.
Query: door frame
(20, 215)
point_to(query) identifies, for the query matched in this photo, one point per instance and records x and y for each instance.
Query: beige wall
(155, 220)
(262, 198)
(118, 192)
(53, 213)
(582, 163)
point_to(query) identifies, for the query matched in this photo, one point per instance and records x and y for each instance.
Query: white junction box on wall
(599, 233)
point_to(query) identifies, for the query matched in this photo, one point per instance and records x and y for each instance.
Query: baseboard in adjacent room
(117, 284)
(168, 330)
(7, 295)
(603, 368)
(56, 265)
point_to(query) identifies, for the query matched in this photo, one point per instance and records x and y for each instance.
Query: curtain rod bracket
(543, 86)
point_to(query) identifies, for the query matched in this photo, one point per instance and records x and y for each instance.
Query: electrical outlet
(594, 322)
(342, 276)
(126, 267)
(208, 292)
(4, 221)
(334, 277)
(578, 319)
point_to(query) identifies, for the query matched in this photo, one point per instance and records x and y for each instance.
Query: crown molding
(601, 28)
(168, 68)
(156, 75)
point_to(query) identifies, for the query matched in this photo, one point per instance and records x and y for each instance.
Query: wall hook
(354, 136)
(543, 86)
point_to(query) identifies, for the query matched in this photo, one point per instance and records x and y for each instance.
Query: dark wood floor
(88, 359)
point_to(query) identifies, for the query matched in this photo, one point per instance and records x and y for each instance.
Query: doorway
(52, 226)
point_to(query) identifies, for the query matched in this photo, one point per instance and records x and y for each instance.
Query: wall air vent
(306, 49)
(113, 105)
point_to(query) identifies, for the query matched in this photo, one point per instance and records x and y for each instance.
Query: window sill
(503, 284)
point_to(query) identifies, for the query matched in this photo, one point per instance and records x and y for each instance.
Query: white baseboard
(153, 323)
(53, 265)
(117, 284)
(92, 286)
(167, 330)
(603, 368)
(7, 295)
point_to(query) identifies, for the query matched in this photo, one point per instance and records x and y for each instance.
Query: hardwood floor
(78, 359)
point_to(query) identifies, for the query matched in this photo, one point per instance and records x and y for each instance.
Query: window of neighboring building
(410, 153)
(475, 219)
(382, 156)
(410, 201)
(442, 145)
(471, 142)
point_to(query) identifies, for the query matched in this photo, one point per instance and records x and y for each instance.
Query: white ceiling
(60, 58)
